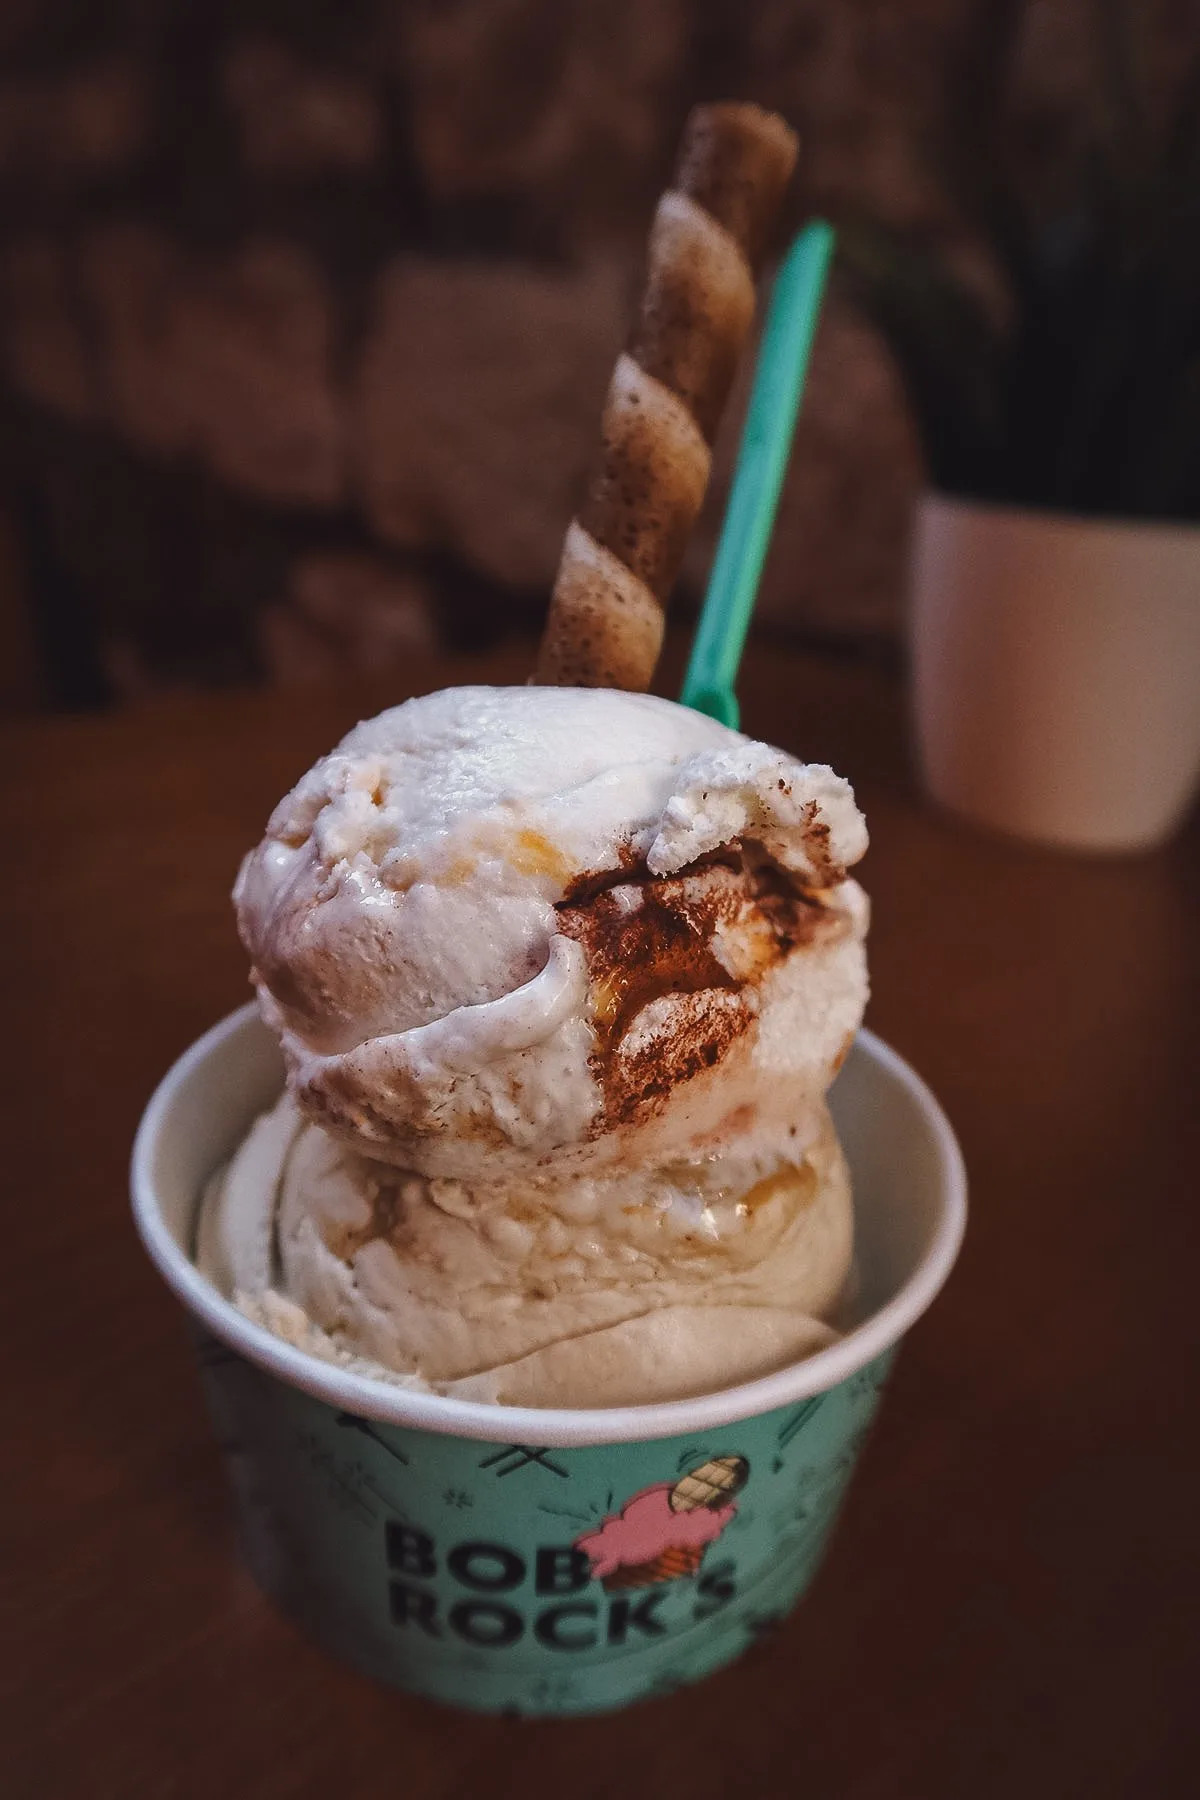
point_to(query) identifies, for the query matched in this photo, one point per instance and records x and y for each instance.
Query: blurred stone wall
(306, 310)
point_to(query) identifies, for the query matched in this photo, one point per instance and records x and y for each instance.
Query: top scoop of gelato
(571, 928)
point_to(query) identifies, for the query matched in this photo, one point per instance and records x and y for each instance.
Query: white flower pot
(1056, 670)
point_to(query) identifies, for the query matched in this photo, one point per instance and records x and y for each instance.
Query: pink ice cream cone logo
(662, 1532)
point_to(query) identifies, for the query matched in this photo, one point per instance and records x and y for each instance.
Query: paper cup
(543, 1561)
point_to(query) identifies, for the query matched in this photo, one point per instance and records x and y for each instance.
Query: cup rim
(549, 1427)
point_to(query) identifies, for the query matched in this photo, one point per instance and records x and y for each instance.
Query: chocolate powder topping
(647, 938)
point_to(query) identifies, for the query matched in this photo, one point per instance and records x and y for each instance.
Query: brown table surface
(1009, 1603)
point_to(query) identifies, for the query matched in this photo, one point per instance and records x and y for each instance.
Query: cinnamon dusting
(701, 939)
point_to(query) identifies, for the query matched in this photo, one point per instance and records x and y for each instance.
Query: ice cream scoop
(649, 1285)
(579, 929)
(561, 977)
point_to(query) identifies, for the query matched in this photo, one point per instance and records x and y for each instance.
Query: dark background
(306, 310)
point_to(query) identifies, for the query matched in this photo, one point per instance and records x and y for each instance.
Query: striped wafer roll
(623, 552)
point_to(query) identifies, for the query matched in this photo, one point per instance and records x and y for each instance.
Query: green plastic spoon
(762, 459)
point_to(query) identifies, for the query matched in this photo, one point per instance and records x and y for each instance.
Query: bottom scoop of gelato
(602, 1291)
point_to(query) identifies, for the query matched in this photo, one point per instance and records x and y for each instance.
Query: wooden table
(1010, 1602)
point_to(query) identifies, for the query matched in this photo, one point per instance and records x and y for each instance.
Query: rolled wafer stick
(624, 551)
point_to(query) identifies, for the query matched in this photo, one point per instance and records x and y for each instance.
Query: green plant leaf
(1089, 400)
(965, 146)
(949, 355)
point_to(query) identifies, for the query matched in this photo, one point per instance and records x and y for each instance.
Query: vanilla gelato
(561, 978)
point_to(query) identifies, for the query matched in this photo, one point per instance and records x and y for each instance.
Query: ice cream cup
(543, 1561)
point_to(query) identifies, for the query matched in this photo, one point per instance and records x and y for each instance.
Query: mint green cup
(543, 1561)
